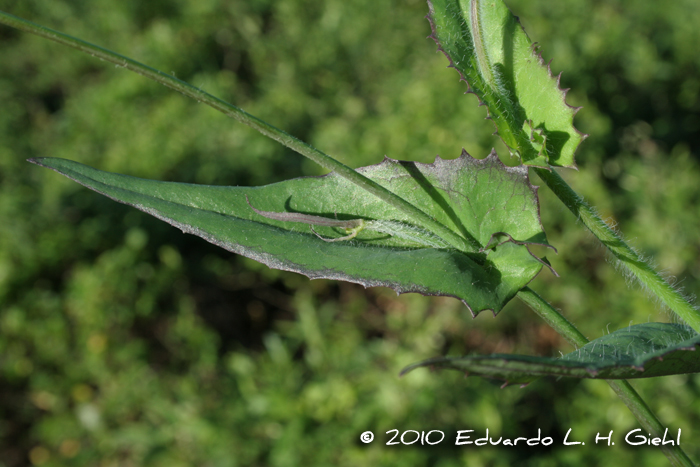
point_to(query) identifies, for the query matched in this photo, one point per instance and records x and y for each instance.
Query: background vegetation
(124, 342)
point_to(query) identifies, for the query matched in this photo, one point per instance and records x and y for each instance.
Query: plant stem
(552, 317)
(622, 388)
(630, 259)
(240, 115)
(643, 413)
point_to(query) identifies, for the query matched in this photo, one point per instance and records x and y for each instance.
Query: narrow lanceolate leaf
(356, 237)
(488, 46)
(640, 351)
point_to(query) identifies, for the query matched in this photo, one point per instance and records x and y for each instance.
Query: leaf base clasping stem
(622, 388)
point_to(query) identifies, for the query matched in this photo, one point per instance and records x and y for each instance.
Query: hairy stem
(266, 129)
(552, 317)
(630, 259)
(622, 388)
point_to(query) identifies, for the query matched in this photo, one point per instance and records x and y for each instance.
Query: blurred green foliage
(124, 342)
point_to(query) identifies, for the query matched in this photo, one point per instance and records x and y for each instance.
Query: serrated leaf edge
(538, 55)
(275, 263)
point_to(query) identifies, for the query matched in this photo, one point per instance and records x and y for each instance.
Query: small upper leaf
(491, 205)
(488, 46)
(640, 351)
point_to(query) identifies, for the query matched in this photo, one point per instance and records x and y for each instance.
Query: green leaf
(487, 45)
(493, 206)
(640, 351)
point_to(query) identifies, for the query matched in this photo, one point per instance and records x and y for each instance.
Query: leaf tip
(410, 368)
(38, 161)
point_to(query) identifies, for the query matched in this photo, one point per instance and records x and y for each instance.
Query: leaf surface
(640, 351)
(487, 45)
(492, 205)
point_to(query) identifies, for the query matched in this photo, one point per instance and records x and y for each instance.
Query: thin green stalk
(640, 410)
(266, 129)
(622, 388)
(630, 259)
(552, 317)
